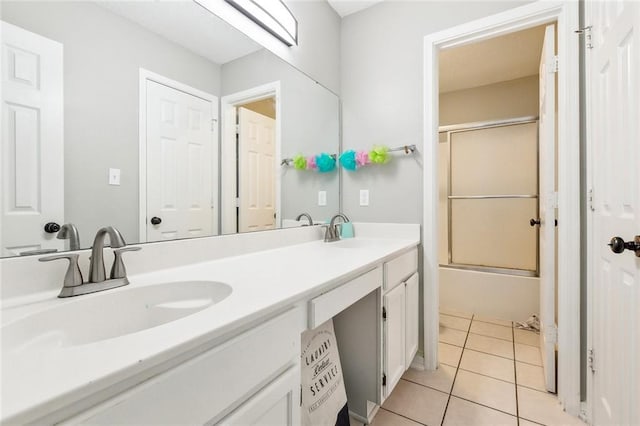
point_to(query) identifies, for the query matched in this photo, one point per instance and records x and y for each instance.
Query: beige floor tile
(527, 337)
(465, 413)
(524, 422)
(421, 404)
(489, 365)
(387, 418)
(490, 345)
(456, 313)
(543, 407)
(530, 376)
(452, 337)
(354, 422)
(486, 391)
(527, 353)
(441, 379)
(449, 354)
(491, 330)
(456, 323)
(504, 323)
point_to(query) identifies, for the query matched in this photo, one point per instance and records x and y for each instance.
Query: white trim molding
(565, 14)
(142, 143)
(228, 112)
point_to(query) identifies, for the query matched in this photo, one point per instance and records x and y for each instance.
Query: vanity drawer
(210, 385)
(325, 307)
(400, 268)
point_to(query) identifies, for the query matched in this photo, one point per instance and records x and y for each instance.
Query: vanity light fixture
(273, 16)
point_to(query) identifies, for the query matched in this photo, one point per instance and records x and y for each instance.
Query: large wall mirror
(157, 118)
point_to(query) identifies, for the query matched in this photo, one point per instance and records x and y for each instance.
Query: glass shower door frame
(458, 128)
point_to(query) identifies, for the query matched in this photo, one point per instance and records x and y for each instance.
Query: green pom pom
(300, 162)
(379, 155)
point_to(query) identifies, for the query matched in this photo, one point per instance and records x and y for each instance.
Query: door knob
(534, 222)
(156, 220)
(618, 245)
(51, 228)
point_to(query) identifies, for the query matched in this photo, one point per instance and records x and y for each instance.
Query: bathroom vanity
(225, 344)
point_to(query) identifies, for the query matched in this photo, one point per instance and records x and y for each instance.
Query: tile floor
(490, 374)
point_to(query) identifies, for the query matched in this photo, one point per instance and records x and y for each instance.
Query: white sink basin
(110, 314)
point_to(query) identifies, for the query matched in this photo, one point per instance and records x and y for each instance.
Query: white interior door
(256, 171)
(32, 140)
(614, 117)
(547, 197)
(180, 181)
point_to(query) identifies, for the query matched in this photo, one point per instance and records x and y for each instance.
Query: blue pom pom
(348, 160)
(325, 163)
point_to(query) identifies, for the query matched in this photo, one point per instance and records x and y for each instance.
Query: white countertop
(263, 282)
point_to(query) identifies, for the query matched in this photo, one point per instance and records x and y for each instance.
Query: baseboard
(418, 363)
(365, 420)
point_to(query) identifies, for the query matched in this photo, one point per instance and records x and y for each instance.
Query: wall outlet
(322, 198)
(114, 176)
(364, 197)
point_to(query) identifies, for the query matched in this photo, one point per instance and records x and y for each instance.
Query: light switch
(322, 198)
(114, 176)
(364, 197)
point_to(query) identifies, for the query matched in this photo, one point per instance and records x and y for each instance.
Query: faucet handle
(118, 270)
(73, 276)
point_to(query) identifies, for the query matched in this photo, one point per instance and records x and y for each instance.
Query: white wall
(382, 95)
(507, 99)
(102, 56)
(310, 118)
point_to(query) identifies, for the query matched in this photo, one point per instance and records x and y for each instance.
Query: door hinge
(384, 379)
(214, 121)
(590, 200)
(586, 31)
(384, 313)
(238, 202)
(555, 64)
(237, 129)
(591, 360)
(553, 200)
(551, 334)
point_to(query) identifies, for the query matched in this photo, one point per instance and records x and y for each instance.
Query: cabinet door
(394, 337)
(412, 293)
(278, 404)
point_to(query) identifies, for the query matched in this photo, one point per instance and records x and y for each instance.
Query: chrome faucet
(332, 233)
(73, 283)
(308, 216)
(69, 231)
(96, 266)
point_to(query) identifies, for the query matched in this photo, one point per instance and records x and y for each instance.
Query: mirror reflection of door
(180, 180)
(32, 140)
(256, 166)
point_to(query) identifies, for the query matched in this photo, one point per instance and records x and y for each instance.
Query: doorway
(178, 160)
(251, 153)
(565, 14)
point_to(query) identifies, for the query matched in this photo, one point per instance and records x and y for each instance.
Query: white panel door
(394, 327)
(179, 164)
(412, 295)
(256, 171)
(614, 117)
(32, 140)
(547, 196)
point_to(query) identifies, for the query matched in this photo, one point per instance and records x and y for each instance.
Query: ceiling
(347, 7)
(207, 36)
(504, 58)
